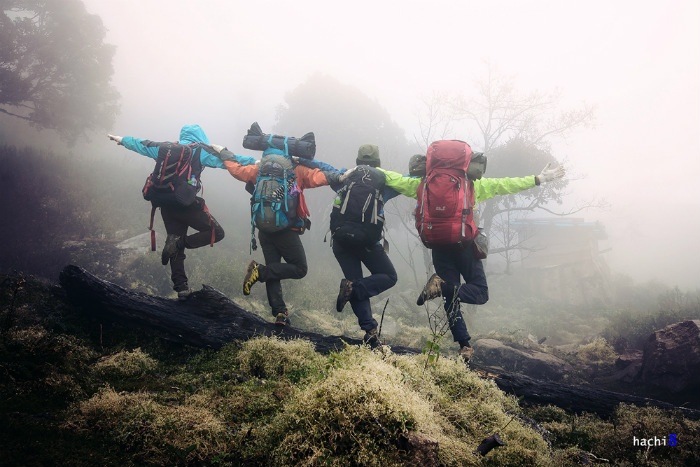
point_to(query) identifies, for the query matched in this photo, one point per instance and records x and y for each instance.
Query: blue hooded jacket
(188, 134)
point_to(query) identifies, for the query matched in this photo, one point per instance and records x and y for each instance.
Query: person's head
(477, 166)
(193, 134)
(416, 165)
(368, 154)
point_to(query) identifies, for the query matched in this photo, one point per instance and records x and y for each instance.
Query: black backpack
(175, 180)
(357, 218)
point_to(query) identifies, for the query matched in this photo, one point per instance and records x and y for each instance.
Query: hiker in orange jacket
(284, 244)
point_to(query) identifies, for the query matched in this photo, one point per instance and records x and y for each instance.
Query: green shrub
(41, 369)
(125, 369)
(270, 357)
(153, 433)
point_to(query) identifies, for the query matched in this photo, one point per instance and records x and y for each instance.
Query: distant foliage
(51, 203)
(343, 118)
(630, 328)
(55, 69)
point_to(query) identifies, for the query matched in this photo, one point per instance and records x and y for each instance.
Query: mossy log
(575, 398)
(209, 319)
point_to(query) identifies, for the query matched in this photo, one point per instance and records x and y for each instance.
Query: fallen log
(209, 319)
(575, 398)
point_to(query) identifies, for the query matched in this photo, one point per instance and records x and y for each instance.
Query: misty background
(294, 67)
(636, 62)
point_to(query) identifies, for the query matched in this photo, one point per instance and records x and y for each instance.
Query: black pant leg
(175, 224)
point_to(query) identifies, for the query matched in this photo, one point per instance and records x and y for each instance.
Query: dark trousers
(177, 220)
(276, 247)
(451, 263)
(382, 277)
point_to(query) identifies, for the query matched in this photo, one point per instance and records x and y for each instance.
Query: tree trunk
(578, 398)
(209, 319)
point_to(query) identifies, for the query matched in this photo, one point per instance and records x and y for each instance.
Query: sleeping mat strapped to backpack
(304, 147)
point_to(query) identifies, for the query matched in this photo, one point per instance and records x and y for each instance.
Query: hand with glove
(333, 178)
(217, 148)
(548, 174)
(221, 152)
(118, 139)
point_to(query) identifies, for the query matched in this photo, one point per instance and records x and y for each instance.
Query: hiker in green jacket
(484, 188)
(452, 262)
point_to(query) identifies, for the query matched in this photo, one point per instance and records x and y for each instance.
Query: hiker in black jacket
(357, 241)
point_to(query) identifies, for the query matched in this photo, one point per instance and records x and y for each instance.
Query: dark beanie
(416, 165)
(368, 154)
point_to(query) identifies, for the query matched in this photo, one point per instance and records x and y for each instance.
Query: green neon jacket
(484, 188)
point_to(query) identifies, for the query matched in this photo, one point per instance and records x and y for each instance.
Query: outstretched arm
(316, 164)
(406, 185)
(333, 175)
(312, 178)
(246, 172)
(136, 145)
(224, 154)
(486, 188)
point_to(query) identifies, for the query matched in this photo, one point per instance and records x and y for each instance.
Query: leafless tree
(515, 130)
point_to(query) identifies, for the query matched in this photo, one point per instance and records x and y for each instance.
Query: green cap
(368, 154)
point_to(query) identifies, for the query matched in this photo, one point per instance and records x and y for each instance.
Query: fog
(225, 64)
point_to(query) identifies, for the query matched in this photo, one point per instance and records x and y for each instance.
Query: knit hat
(368, 154)
(416, 165)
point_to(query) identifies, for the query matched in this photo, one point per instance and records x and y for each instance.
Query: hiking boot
(252, 275)
(344, 294)
(184, 294)
(372, 338)
(431, 290)
(465, 353)
(282, 319)
(170, 250)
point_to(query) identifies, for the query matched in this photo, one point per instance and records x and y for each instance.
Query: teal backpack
(273, 206)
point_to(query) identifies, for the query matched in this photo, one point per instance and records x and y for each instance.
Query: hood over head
(193, 134)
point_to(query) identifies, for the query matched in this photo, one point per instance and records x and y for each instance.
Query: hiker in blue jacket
(178, 219)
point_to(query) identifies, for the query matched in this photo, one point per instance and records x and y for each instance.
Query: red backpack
(445, 209)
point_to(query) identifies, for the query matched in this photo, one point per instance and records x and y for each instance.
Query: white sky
(231, 63)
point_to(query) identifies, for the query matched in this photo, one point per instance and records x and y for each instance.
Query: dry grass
(125, 364)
